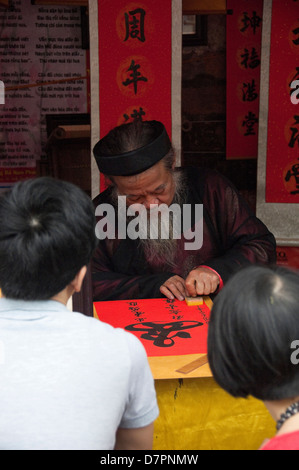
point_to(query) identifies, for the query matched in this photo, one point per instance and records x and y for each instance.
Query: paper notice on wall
(43, 71)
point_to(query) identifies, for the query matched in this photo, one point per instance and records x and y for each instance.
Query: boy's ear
(77, 282)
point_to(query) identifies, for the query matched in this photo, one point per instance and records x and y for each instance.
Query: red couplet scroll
(282, 174)
(244, 33)
(135, 51)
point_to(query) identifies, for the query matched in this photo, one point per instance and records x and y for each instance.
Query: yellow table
(196, 414)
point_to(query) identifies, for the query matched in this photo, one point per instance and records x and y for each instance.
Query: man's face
(154, 186)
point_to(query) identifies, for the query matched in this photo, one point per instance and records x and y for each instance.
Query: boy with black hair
(67, 381)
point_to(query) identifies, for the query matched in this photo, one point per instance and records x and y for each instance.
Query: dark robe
(233, 237)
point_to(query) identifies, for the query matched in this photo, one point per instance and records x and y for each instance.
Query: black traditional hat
(135, 161)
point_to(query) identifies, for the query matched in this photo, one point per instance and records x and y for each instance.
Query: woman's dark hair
(47, 234)
(254, 321)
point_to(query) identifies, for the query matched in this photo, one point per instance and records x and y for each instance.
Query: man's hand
(201, 281)
(174, 288)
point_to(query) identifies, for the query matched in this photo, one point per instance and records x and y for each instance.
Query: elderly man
(139, 164)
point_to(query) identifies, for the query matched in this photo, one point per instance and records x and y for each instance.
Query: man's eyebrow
(162, 186)
(131, 195)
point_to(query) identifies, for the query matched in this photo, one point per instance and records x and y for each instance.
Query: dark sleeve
(111, 285)
(243, 239)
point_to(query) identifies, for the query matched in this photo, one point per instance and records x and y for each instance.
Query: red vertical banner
(243, 37)
(288, 256)
(282, 174)
(134, 62)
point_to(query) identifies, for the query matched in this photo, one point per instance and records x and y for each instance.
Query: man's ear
(109, 180)
(77, 282)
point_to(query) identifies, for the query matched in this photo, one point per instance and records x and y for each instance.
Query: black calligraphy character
(250, 60)
(162, 334)
(249, 91)
(254, 22)
(295, 133)
(136, 115)
(135, 76)
(249, 122)
(294, 172)
(135, 27)
(296, 41)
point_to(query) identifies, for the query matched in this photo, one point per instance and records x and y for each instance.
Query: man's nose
(149, 200)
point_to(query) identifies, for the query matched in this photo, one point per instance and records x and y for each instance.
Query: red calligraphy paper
(244, 32)
(134, 62)
(165, 327)
(282, 173)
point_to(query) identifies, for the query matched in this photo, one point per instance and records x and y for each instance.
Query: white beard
(157, 237)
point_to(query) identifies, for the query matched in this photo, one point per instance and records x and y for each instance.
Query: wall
(204, 110)
(43, 68)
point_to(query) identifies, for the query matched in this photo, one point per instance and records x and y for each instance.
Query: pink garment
(288, 441)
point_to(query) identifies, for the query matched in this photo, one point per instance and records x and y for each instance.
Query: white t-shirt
(68, 381)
